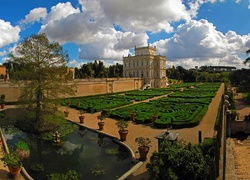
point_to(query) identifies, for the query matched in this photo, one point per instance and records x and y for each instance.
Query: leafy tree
(98, 70)
(42, 76)
(247, 59)
(178, 161)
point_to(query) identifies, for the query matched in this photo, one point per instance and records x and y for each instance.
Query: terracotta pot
(101, 125)
(123, 135)
(2, 106)
(66, 113)
(132, 116)
(143, 151)
(81, 118)
(154, 118)
(14, 172)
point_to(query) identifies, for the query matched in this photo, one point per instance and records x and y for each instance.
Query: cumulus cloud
(9, 33)
(194, 5)
(36, 14)
(199, 43)
(112, 45)
(74, 63)
(60, 11)
(94, 28)
(107, 29)
(2, 53)
(144, 15)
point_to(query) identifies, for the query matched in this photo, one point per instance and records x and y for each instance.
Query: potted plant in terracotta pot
(123, 132)
(22, 149)
(101, 117)
(14, 164)
(78, 104)
(144, 145)
(81, 117)
(2, 99)
(66, 112)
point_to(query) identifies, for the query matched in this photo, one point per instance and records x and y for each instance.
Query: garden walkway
(241, 145)
(136, 130)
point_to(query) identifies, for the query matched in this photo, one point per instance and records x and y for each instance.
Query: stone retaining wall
(85, 87)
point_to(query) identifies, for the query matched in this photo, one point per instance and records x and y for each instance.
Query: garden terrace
(180, 109)
(170, 113)
(97, 103)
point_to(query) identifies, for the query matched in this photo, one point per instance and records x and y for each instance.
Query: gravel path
(241, 148)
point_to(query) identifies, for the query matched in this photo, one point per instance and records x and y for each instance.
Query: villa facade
(145, 64)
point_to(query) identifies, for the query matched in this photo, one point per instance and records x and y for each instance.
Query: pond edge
(6, 150)
(116, 140)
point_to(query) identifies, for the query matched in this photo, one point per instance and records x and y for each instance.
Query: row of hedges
(178, 112)
(96, 104)
(179, 109)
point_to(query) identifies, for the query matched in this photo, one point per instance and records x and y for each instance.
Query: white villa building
(147, 65)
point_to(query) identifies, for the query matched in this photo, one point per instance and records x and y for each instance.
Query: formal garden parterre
(180, 105)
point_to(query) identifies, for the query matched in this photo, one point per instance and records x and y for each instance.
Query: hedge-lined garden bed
(177, 114)
(180, 109)
(185, 105)
(97, 103)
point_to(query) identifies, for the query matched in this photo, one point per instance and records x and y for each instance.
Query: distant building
(217, 68)
(147, 65)
(3, 72)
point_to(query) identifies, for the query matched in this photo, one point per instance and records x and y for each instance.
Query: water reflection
(81, 150)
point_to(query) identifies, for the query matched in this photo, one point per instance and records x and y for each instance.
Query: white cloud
(35, 15)
(8, 33)
(60, 11)
(93, 28)
(107, 29)
(198, 43)
(2, 53)
(112, 45)
(194, 5)
(144, 15)
(74, 63)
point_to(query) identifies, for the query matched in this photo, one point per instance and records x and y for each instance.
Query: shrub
(177, 160)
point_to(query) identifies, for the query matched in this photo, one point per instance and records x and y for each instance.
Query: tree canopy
(42, 77)
(247, 59)
(98, 70)
(178, 161)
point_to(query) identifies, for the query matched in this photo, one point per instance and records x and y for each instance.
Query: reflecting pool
(82, 150)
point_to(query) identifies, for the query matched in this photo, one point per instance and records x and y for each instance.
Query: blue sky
(189, 32)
